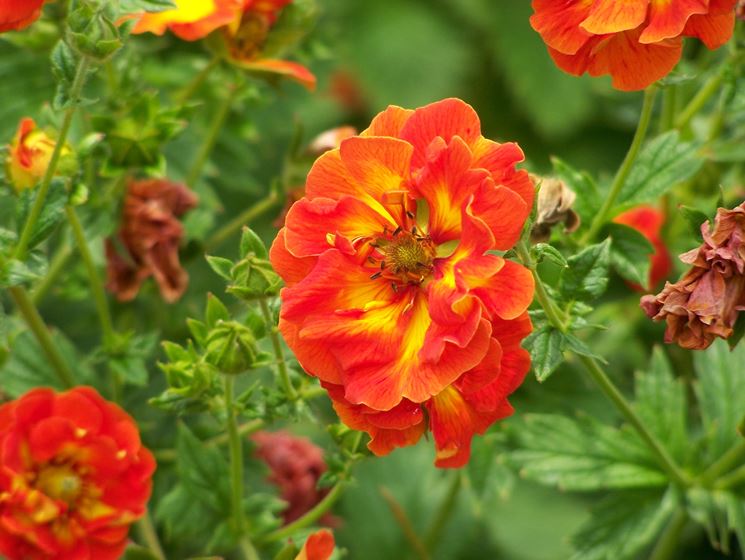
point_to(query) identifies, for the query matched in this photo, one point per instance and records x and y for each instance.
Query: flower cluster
(245, 26)
(73, 476)
(17, 14)
(295, 466)
(636, 42)
(149, 239)
(395, 299)
(705, 303)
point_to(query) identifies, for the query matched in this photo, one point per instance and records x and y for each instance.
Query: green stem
(213, 133)
(701, 98)
(282, 370)
(99, 294)
(669, 106)
(667, 545)
(309, 518)
(56, 267)
(236, 471)
(197, 81)
(41, 195)
(245, 217)
(43, 336)
(150, 536)
(444, 512)
(170, 455)
(405, 523)
(623, 173)
(601, 379)
(732, 458)
(733, 479)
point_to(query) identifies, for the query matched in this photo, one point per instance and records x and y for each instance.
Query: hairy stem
(405, 523)
(282, 370)
(41, 195)
(732, 458)
(701, 98)
(628, 163)
(309, 518)
(34, 321)
(56, 267)
(667, 545)
(601, 379)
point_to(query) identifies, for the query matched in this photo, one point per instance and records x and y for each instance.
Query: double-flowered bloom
(637, 42)
(17, 14)
(73, 476)
(397, 298)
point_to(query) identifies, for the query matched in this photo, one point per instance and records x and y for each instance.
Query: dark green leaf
(216, 311)
(251, 244)
(663, 163)
(629, 254)
(203, 471)
(545, 346)
(588, 200)
(695, 219)
(586, 277)
(52, 212)
(544, 251)
(139, 553)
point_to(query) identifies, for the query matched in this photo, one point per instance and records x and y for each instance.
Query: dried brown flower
(149, 238)
(554, 206)
(705, 303)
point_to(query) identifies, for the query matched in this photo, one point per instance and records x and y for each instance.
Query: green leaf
(586, 277)
(629, 254)
(544, 251)
(28, 367)
(574, 344)
(221, 266)
(738, 332)
(661, 404)
(624, 525)
(545, 345)
(138, 553)
(720, 389)
(203, 471)
(581, 454)
(251, 244)
(216, 311)
(152, 6)
(663, 163)
(695, 219)
(588, 200)
(52, 213)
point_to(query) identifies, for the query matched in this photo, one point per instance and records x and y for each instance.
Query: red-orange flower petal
(191, 20)
(17, 14)
(318, 546)
(648, 221)
(73, 476)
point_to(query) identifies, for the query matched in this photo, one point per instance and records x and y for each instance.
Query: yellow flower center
(60, 483)
(402, 257)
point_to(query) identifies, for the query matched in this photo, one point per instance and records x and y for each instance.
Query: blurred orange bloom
(394, 298)
(636, 42)
(318, 546)
(246, 37)
(73, 476)
(29, 155)
(191, 20)
(648, 221)
(706, 302)
(149, 239)
(17, 14)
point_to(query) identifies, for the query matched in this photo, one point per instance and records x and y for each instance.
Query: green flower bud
(231, 348)
(254, 278)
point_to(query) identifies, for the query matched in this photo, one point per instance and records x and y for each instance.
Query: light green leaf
(663, 163)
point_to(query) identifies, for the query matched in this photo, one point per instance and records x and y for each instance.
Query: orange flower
(637, 42)
(648, 221)
(394, 298)
(17, 14)
(707, 301)
(150, 235)
(318, 546)
(246, 36)
(191, 20)
(73, 476)
(29, 155)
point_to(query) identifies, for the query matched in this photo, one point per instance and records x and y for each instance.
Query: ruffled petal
(713, 30)
(558, 23)
(292, 269)
(613, 16)
(668, 19)
(389, 122)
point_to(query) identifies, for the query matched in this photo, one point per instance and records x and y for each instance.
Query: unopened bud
(231, 348)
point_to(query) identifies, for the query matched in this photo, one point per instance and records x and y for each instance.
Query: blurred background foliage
(368, 55)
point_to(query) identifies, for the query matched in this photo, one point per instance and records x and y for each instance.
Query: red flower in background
(149, 239)
(707, 301)
(394, 299)
(17, 14)
(648, 221)
(295, 465)
(318, 546)
(636, 42)
(73, 476)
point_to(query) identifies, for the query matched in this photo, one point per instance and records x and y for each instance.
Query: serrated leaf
(661, 404)
(581, 454)
(694, 218)
(623, 525)
(586, 275)
(720, 389)
(251, 244)
(663, 163)
(574, 344)
(202, 470)
(220, 266)
(545, 346)
(629, 253)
